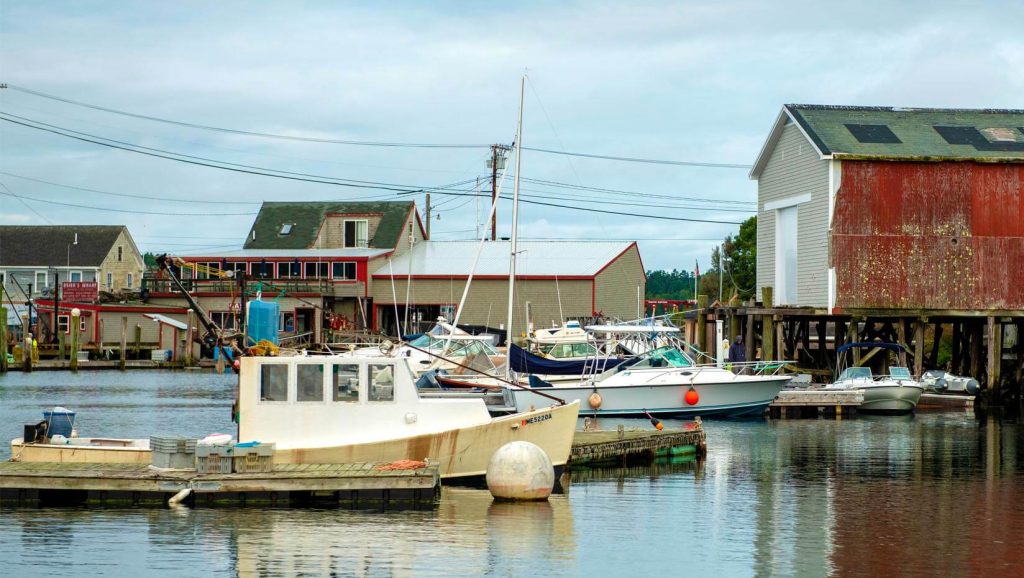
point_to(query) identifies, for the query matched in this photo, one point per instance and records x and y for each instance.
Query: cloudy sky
(696, 82)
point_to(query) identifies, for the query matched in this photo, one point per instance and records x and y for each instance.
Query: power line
(243, 132)
(169, 199)
(370, 143)
(27, 206)
(640, 194)
(129, 211)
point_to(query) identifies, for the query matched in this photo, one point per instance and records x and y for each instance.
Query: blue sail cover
(522, 361)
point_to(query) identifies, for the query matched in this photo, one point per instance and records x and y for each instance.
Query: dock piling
(76, 316)
(122, 361)
(3, 339)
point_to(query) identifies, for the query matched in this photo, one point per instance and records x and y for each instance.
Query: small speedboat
(896, 392)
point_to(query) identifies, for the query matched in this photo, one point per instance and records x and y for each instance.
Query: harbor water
(935, 494)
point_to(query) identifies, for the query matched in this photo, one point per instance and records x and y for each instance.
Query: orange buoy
(691, 397)
(594, 400)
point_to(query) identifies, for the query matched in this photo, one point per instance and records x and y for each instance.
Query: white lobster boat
(352, 409)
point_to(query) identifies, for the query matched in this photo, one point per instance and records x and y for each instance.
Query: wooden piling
(995, 346)
(138, 340)
(62, 346)
(190, 321)
(702, 323)
(75, 326)
(748, 340)
(3, 338)
(26, 346)
(919, 346)
(122, 362)
(767, 328)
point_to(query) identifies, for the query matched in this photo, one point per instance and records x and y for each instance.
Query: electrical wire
(242, 132)
(27, 206)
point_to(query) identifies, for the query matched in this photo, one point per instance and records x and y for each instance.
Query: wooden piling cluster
(986, 345)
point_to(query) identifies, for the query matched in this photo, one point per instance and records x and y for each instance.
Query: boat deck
(618, 446)
(49, 483)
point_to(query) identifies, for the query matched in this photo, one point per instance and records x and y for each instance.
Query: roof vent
(873, 133)
(286, 228)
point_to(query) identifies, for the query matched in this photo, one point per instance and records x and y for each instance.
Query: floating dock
(357, 485)
(621, 446)
(945, 401)
(813, 403)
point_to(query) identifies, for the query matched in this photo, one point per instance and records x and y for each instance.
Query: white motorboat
(664, 381)
(896, 392)
(445, 347)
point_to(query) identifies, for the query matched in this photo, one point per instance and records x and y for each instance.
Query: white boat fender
(595, 400)
(215, 440)
(58, 440)
(177, 498)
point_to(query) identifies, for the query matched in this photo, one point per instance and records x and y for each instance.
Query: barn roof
(903, 134)
(306, 218)
(536, 259)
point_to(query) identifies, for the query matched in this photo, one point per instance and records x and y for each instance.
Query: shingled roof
(307, 217)
(903, 134)
(49, 245)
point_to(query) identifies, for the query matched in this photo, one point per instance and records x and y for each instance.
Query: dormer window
(286, 228)
(356, 233)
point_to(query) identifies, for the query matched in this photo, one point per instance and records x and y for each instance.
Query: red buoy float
(692, 397)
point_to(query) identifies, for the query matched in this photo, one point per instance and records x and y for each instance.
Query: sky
(687, 82)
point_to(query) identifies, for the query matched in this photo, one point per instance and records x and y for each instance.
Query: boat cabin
(321, 401)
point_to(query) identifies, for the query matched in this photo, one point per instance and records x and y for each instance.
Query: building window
(263, 269)
(345, 270)
(288, 322)
(120, 253)
(130, 279)
(223, 319)
(41, 281)
(291, 270)
(346, 383)
(63, 321)
(356, 232)
(316, 270)
(286, 228)
(110, 280)
(274, 382)
(382, 383)
(76, 276)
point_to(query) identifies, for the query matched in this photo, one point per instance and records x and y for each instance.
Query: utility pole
(497, 162)
(428, 216)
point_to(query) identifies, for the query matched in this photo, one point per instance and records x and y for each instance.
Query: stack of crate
(173, 453)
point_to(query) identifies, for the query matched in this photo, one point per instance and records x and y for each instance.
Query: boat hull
(463, 452)
(891, 398)
(723, 399)
(80, 454)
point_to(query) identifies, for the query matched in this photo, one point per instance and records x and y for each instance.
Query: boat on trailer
(356, 409)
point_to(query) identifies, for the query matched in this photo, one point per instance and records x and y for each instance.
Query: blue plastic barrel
(60, 421)
(262, 317)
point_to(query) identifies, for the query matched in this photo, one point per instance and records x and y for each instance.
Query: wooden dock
(802, 403)
(43, 484)
(625, 446)
(946, 401)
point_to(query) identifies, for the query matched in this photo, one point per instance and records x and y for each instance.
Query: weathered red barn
(879, 208)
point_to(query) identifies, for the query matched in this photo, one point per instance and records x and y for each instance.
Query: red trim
(105, 308)
(399, 277)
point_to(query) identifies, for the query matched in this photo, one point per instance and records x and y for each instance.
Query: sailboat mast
(509, 335)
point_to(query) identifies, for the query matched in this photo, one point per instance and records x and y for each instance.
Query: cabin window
(310, 382)
(345, 270)
(274, 382)
(287, 322)
(382, 383)
(346, 383)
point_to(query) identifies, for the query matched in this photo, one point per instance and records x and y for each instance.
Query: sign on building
(80, 291)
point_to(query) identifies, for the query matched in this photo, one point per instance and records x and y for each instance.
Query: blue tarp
(870, 344)
(522, 361)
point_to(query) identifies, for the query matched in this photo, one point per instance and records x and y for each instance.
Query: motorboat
(664, 381)
(356, 409)
(897, 392)
(444, 347)
(571, 332)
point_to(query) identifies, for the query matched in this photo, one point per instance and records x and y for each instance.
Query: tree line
(737, 270)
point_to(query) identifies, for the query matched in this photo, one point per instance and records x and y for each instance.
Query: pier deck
(594, 447)
(41, 484)
(815, 402)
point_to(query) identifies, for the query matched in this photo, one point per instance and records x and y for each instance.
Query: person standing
(737, 352)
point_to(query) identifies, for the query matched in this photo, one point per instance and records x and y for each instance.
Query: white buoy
(520, 471)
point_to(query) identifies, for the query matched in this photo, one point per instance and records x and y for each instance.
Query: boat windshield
(459, 347)
(569, 350)
(899, 372)
(663, 357)
(856, 373)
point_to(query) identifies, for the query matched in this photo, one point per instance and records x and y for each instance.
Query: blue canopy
(870, 344)
(522, 361)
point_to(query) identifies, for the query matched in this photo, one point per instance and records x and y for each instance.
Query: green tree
(672, 284)
(740, 263)
(150, 260)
